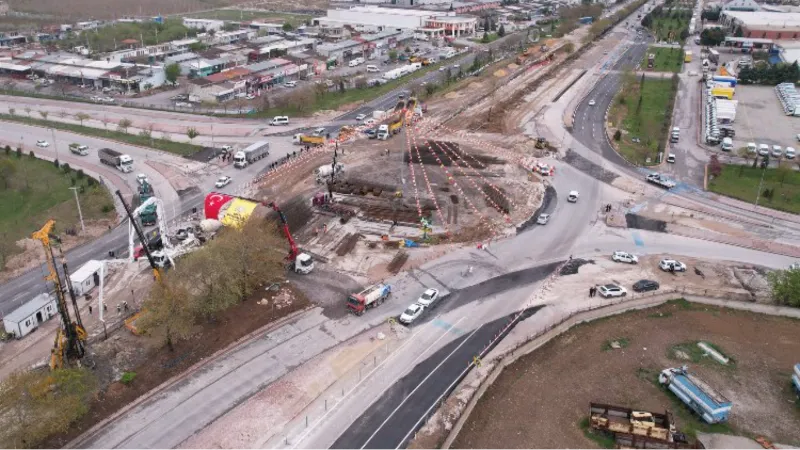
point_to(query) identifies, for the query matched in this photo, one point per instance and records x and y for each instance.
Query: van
(280, 120)
(763, 149)
(353, 63)
(790, 153)
(727, 144)
(751, 147)
(372, 69)
(777, 151)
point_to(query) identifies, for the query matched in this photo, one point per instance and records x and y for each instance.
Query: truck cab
(125, 164)
(239, 160)
(303, 264)
(383, 132)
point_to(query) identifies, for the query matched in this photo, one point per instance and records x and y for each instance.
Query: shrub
(127, 377)
(80, 174)
(107, 208)
(8, 150)
(56, 163)
(90, 181)
(617, 135)
(66, 168)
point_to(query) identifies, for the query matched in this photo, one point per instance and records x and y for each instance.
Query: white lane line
(365, 378)
(418, 386)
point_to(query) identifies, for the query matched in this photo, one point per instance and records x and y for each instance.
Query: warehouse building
(375, 18)
(762, 24)
(206, 24)
(30, 316)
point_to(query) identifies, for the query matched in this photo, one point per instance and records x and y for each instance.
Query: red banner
(214, 202)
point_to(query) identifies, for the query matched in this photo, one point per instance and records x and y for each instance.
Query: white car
(612, 290)
(142, 178)
(592, 103)
(250, 96)
(227, 148)
(370, 122)
(573, 197)
(667, 264)
(223, 181)
(671, 158)
(625, 257)
(543, 219)
(108, 100)
(442, 69)
(428, 297)
(290, 84)
(543, 169)
(361, 117)
(411, 313)
(42, 144)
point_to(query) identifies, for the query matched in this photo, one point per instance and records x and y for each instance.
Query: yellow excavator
(71, 337)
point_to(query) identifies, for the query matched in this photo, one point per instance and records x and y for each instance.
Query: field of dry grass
(72, 10)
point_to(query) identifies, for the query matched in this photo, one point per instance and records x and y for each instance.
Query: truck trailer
(696, 394)
(368, 298)
(113, 158)
(249, 155)
(304, 139)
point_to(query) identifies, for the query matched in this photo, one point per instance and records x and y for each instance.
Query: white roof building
(208, 24)
(375, 16)
(29, 316)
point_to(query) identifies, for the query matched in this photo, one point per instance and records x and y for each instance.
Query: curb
(91, 432)
(572, 320)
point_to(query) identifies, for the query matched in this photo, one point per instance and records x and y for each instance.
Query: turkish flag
(214, 202)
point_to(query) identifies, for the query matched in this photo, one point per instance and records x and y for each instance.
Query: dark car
(645, 285)
(371, 133)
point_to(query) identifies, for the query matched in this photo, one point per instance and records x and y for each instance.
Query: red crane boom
(293, 251)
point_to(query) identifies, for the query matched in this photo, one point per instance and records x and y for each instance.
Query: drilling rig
(70, 339)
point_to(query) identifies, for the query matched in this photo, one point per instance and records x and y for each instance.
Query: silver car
(543, 219)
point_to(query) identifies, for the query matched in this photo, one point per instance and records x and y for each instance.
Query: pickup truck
(79, 149)
(660, 180)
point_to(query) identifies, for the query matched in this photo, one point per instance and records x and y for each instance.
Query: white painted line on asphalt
(364, 379)
(418, 386)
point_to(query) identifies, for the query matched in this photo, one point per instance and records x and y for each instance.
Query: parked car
(371, 133)
(290, 84)
(667, 265)
(645, 285)
(612, 290)
(411, 313)
(223, 181)
(428, 297)
(625, 257)
(543, 219)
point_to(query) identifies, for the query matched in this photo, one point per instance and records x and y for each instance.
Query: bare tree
(192, 133)
(80, 117)
(124, 124)
(11, 111)
(44, 114)
(27, 110)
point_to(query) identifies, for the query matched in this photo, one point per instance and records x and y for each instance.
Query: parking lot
(760, 118)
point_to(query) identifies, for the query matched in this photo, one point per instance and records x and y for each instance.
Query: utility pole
(763, 171)
(55, 142)
(80, 214)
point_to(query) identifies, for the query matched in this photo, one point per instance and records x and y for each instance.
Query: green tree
(192, 133)
(11, 111)
(172, 72)
(485, 38)
(783, 170)
(7, 170)
(743, 153)
(785, 286)
(80, 117)
(287, 27)
(43, 114)
(712, 36)
(168, 309)
(124, 124)
(393, 55)
(501, 31)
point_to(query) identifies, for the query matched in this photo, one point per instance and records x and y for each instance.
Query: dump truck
(369, 298)
(796, 380)
(687, 56)
(113, 158)
(79, 149)
(304, 139)
(619, 419)
(249, 155)
(395, 126)
(696, 394)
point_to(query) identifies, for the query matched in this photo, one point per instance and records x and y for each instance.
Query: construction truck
(298, 262)
(166, 257)
(369, 298)
(383, 132)
(251, 154)
(619, 419)
(394, 127)
(148, 215)
(115, 159)
(79, 149)
(323, 173)
(697, 395)
(303, 139)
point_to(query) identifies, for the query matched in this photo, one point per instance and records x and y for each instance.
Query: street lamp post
(55, 142)
(80, 214)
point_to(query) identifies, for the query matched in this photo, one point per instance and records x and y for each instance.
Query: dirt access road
(552, 387)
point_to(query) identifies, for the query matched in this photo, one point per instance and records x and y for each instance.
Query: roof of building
(790, 55)
(765, 19)
(752, 40)
(129, 41)
(181, 57)
(390, 11)
(334, 46)
(85, 271)
(267, 65)
(454, 19)
(236, 72)
(28, 309)
(6, 65)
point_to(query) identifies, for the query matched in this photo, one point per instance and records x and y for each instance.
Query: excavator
(70, 341)
(299, 262)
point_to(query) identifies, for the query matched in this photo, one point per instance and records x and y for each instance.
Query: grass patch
(682, 303)
(691, 352)
(240, 15)
(491, 37)
(667, 28)
(666, 60)
(660, 315)
(742, 182)
(641, 110)
(334, 100)
(620, 342)
(179, 148)
(127, 378)
(34, 190)
(601, 439)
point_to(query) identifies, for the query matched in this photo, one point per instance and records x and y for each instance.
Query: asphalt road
(395, 417)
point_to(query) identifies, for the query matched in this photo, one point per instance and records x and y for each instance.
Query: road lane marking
(417, 387)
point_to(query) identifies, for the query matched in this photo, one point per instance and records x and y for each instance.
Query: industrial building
(31, 315)
(375, 18)
(205, 24)
(762, 24)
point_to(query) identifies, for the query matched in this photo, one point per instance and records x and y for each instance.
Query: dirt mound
(500, 73)
(572, 266)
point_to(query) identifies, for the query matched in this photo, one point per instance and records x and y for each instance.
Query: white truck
(378, 114)
(249, 155)
(119, 161)
(383, 132)
(79, 149)
(660, 180)
(323, 173)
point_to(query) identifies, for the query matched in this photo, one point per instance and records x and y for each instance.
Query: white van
(280, 120)
(777, 151)
(790, 152)
(751, 147)
(372, 69)
(763, 149)
(727, 144)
